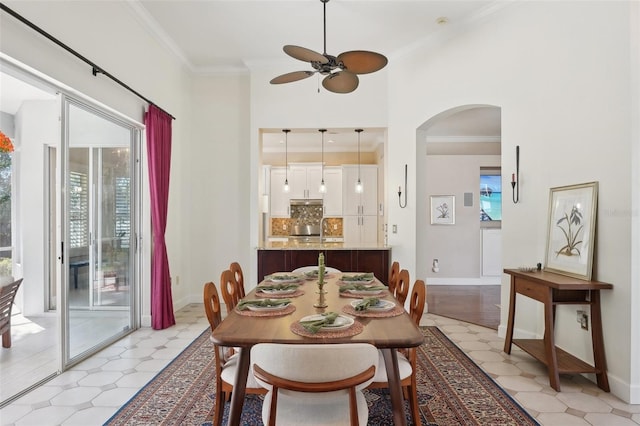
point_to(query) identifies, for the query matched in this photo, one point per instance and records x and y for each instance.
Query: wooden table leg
(395, 389)
(597, 341)
(237, 395)
(549, 341)
(512, 312)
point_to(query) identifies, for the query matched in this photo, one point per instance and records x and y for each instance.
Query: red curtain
(158, 124)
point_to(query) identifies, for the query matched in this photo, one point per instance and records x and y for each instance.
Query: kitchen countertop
(299, 245)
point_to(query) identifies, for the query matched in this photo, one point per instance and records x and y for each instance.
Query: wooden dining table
(387, 334)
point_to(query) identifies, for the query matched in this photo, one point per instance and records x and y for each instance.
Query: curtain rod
(95, 68)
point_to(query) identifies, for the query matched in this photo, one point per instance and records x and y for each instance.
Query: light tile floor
(93, 391)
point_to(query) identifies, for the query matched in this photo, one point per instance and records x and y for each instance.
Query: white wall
(548, 65)
(37, 128)
(457, 247)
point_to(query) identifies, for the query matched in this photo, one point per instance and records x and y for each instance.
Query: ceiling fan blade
(341, 82)
(362, 61)
(304, 54)
(291, 77)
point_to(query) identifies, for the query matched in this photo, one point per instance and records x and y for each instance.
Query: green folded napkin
(289, 286)
(368, 276)
(263, 303)
(367, 303)
(282, 277)
(315, 325)
(362, 287)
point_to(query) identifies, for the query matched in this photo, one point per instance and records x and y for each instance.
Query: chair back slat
(393, 277)
(402, 286)
(237, 272)
(417, 301)
(230, 289)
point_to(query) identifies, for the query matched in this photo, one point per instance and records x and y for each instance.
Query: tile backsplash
(306, 215)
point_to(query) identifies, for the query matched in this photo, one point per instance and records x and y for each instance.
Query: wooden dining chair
(314, 384)
(230, 289)
(402, 286)
(7, 296)
(407, 358)
(393, 277)
(237, 272)
(225, 364)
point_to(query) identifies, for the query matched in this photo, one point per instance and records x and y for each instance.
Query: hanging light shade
(286, 160)
(359, 187)
(323, 187)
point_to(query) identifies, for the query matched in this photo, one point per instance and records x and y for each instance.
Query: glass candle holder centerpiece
(321, 303)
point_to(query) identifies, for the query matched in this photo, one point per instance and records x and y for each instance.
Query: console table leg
(512, 312)
(549, 343)
(597, 340)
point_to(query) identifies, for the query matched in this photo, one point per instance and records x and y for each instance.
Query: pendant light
(359, 188)
(286, 160)
(323, 188)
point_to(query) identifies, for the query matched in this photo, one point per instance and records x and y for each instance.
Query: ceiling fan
(340, 71)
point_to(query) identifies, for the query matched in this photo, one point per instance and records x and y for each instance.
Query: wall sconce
(515, 178)
(405, 190)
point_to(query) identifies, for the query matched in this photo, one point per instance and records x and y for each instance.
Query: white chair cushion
(404, 366)
(230, 370)
(299, 408)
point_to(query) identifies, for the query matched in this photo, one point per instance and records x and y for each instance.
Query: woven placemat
(355, 329)
(279, 296)
(397, 310)
(286, 311)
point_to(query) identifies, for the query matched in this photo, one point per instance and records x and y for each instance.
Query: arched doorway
(455, 150)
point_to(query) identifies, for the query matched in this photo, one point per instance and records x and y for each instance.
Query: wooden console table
(555, 289)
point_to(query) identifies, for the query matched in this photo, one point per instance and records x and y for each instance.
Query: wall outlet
(394, 229)
(583, 319)
(335, 226)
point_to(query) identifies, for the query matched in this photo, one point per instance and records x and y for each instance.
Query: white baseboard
(464, 281)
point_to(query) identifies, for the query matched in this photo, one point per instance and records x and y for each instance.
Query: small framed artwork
(571, 233)
(443, 209)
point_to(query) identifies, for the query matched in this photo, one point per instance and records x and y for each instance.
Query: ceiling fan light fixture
(340, 71)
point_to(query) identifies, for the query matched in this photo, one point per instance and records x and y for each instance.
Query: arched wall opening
(453, 149)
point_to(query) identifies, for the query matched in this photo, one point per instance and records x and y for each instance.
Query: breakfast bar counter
(278, 256)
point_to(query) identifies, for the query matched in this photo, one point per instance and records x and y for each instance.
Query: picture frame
(443, 209)
(571, 230)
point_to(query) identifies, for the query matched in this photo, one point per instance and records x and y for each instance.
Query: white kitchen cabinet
(304, 181)
(365, 203)
(360, 220)
(278, 199)
(360, 229)
(332, 204)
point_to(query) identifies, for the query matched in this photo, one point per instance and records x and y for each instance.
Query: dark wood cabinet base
(376, 261)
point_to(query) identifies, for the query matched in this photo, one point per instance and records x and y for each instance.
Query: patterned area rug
(452, 390)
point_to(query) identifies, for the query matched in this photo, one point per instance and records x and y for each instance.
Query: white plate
(364, 292)
(283, 279)
(267, 308)
(355, 281)
(340, 323)
(289, 291)
(383, 305)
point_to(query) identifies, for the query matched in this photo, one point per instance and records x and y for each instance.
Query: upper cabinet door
(297, 182)
(279, 200)
(314, 177)
(333, 197)
(365, 203)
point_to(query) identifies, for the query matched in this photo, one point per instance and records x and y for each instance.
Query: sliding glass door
(101, 215)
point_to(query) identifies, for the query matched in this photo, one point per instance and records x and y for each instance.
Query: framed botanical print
(443, 209)
(571, 233)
